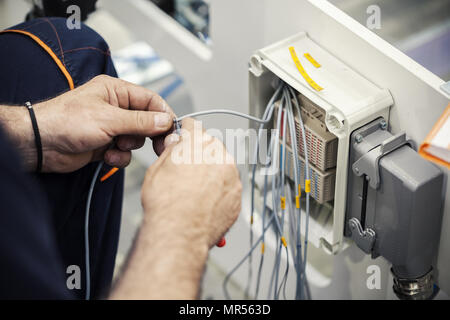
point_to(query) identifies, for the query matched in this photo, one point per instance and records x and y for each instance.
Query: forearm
(16, 122)
(167, 262)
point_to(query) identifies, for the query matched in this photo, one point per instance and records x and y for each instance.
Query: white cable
(223, 111)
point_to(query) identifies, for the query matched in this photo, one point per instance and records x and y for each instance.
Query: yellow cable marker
(251, 220)
(262, 248)
(302, 71)
(283, 202)
(284, 242)
(312, 60)
(299, 190)
(307, 186)
(297, 202)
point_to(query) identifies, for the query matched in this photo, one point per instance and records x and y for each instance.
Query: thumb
(143, 123)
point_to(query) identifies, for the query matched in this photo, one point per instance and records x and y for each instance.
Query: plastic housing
(348, 100)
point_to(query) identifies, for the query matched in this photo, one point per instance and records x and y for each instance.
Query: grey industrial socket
(394, 206)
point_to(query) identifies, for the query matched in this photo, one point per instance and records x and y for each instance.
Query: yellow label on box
(303, 72)
(312, 60)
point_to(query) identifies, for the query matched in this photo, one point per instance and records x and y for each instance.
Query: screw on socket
(383, 124)
(358, 138)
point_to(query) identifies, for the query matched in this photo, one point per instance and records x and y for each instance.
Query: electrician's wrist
(185, 227)
(52, 128)
(48, 134)
(16, 122)
(170, 258)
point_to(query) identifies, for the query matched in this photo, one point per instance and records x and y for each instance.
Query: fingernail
(163, 120)
(129, 145)
(173, 138)
(113, 158)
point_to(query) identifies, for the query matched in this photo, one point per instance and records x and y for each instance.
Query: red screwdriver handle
(222, 242)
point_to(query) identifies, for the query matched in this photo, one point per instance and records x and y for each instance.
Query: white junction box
(348, 100)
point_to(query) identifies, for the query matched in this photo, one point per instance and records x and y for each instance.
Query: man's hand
(188, 206)
(211, 191)
(105, 118)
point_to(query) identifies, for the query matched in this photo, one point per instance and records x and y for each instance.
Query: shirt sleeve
(30, 265)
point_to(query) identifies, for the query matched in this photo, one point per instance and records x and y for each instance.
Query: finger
(142, 123)
(99, 154)
(131, 96)
(158, 144)
(190, 124)
(128, 143)
(171, 139)
(191, 128)
(117, 158)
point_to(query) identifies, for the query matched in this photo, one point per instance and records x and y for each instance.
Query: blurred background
(420, 29)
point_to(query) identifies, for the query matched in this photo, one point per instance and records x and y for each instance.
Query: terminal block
(322, 150)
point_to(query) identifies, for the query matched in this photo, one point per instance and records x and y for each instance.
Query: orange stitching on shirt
(59, 40)
(106, 53)
(49, 51)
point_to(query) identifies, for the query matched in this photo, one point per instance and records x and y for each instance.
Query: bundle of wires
(280, 192)
(277, 158)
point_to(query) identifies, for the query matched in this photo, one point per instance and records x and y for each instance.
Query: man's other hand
(103, 119)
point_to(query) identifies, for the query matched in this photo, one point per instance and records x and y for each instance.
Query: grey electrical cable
(266, 119)
(285, 276)
(276, 198)
(227, 278)
(292, 222)
(86, 231)
(258, 279)
(282, 188)
(290, 117)
(293, 141)
(305, 147)
(266, 116)
(276, 157)
(272, 285)
(276, 191)
(297, 261)
(222, 111)
(293, 214)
